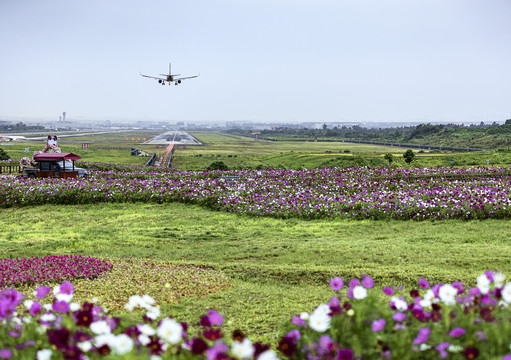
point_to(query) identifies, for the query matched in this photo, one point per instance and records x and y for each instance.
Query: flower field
(442, 321)
(388, 193)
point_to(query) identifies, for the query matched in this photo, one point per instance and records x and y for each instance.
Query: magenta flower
(441, 349)
(345, 354)
(35, 308)
(422, 336)
(367, 282)
(5, 353)
(297, 321)
(423, 283)
(399, 317)
(336, 283)
(387, 291)
(457, 332)
(378, 325)
(214, 317)
(42, 292)
(66, 288)
(60, 306)
(354, 282)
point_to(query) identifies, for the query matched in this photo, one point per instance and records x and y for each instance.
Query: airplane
(12, 138)
(170, 78)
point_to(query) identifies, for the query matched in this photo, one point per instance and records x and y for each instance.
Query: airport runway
(173, 137)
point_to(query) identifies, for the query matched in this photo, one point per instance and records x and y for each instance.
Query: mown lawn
(279, 267)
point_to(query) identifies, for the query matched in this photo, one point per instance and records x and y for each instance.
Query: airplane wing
(186, 77)
(153, 77)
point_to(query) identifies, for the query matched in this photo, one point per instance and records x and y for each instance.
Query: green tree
(389, 157)
(409, 155)
(218, 165)
(3, 155)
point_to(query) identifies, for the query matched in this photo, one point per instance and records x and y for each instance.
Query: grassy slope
(280, 267)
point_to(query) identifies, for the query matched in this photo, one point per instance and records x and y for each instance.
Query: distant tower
(60, 118)
(64, 116)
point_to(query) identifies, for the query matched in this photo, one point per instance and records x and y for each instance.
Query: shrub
(3, 155)
(218, 165)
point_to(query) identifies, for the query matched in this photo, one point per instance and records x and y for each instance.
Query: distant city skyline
(259, 60)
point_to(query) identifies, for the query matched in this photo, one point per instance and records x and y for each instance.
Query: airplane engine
(179, 81)
(160, 81)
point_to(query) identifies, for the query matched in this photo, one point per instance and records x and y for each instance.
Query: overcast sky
(259, 60)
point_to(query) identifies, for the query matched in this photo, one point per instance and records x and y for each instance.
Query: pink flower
(367, 282)
(378, 325)
(336, 283)
(388, 291)
(42, 292)
(66, 288)
(457, 332)
(60, 306)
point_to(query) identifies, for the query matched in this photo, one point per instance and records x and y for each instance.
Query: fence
(10, 169)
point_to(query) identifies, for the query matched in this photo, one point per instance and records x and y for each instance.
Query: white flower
(56, 290)
(48, 307)
(244, 349)
(28, 303)
(104, 339)
(85, 346)
(144, 339)
(268, 355)
(506, 293)
(153, 313)
(447, 294)
(100, 327)
(304, 316)
(499, 278)
(44, 354)
(64, 297)
(47, 317)
(319, 320)
(400, 304)
(424, 347)
(425, 303)
(170, 331)
(146, 301)
(146, 329)
(133, 302)
(455, 348)
(155, 357)
(122, 344)
(27, 319)
(74, 306)
(483, 283)
(359, 292)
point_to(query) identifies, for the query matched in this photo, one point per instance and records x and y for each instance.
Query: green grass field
(279, 267)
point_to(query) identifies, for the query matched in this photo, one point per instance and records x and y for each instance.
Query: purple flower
(422, 336)
(399, 317)
(489, 275)
(423, 283)
(459, 286)
(35, 308)
(5, 353)
(297, 321)
(354, 282)
(388, 291)
(326, 344)
(378, 325)
(457, 332)
(60, 306)
(66, 288)
(345, 354)
(42, 292)
(367, 282)
(441, 349)
(293, 334)
(214, 317)
(336, 283)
